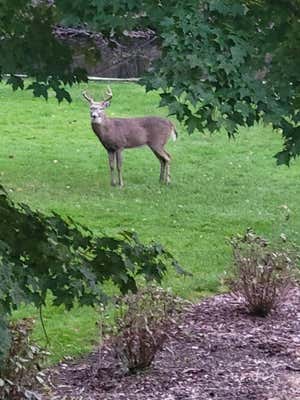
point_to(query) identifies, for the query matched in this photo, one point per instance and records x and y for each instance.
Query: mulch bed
(221, 353)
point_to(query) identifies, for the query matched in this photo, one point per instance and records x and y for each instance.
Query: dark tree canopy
(225, 63)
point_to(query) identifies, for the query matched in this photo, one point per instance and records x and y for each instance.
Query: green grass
(51, 160)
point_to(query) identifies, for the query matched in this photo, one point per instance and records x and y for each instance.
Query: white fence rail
(92, 78)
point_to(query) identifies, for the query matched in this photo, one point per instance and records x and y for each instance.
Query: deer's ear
(106, 104)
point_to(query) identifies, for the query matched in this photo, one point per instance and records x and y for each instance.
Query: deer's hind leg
(162, 170)
(167, 169)
(164, 159)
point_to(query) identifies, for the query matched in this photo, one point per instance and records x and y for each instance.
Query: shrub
(19, 373)
(261, 275)
(143, 323)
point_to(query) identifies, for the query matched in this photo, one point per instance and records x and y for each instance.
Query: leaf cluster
(227, 64)
(29, 46)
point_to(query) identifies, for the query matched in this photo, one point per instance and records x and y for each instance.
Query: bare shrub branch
(261, 275)
(143, 324)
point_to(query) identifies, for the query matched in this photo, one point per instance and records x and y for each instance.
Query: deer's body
(117, 134)
(126, 133)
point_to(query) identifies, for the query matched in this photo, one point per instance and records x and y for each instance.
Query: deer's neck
(102, 126)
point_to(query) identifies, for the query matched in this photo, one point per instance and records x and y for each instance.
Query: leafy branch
(39, 254)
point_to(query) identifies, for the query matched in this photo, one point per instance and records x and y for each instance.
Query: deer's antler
(87, 97)
(108, 94)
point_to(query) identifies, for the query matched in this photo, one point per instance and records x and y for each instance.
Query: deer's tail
(174, 134)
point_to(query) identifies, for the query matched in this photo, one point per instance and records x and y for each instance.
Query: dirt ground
(220, 353)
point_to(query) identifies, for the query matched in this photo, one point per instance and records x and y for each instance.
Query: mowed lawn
(51, 160)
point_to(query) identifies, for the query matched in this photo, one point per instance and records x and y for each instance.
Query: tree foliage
(39, 254)
(28, 45)
(225, 63)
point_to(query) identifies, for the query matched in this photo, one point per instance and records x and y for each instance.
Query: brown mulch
(221, 353)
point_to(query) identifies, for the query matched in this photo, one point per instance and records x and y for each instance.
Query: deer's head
(97, 109)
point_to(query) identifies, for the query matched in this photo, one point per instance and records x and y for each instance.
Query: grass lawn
(51, 160)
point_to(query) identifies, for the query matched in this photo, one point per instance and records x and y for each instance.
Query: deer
(117, 134)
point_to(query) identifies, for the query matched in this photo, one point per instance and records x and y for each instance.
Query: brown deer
(117, 134)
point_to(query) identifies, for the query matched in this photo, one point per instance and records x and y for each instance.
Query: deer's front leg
(119, 167)
(112, 163)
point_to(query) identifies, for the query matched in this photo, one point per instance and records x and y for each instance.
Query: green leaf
(39, 89)
(238, 54)
(194, 123)
(283, 158)
(16, 82)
